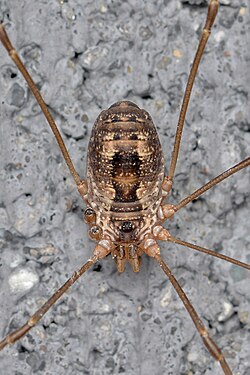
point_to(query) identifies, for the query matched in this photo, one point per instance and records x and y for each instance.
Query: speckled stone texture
(84, 56)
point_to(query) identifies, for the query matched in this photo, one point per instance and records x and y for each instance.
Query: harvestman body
(125, 190)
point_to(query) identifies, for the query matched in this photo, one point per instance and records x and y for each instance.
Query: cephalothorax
(126, 187)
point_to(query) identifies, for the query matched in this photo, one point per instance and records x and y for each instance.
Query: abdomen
(125, 160)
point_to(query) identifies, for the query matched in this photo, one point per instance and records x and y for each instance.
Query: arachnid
(126, 224)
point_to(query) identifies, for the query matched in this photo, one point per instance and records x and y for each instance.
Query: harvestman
(125, 195)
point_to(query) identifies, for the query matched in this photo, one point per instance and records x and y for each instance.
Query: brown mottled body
(125, 188)
(125, 174)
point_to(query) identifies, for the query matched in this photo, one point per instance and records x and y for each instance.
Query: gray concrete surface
(84, 56)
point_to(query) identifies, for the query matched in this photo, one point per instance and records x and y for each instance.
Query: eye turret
(126, 227)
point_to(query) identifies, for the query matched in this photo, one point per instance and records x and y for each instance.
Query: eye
(126, 226)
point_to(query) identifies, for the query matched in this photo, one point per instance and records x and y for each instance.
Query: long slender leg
(211, 14)
(210, 252)
(243, 164)
(213, 349)
(152, 249)
(103, 248)
(168, 210)
(81, 184)
(162, 234)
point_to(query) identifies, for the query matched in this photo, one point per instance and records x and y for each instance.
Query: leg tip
(4, 38)
(211, 13)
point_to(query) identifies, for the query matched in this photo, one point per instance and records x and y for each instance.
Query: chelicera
(125, 190)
